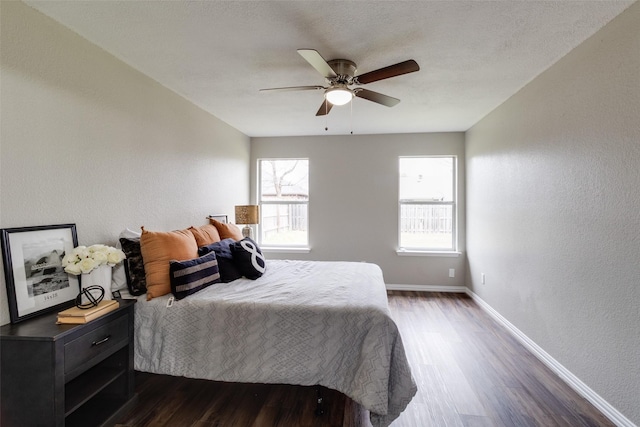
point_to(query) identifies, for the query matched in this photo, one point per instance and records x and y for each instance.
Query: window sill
(413, 252)
(284, 250)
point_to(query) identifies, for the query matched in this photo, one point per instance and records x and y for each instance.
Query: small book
(77, 316)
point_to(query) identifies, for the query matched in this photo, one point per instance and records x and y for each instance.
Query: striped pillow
(191, 276)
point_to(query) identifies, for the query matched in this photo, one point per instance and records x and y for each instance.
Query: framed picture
(219, 217)
(36, 281)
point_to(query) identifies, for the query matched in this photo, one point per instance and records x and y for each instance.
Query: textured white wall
(353, 209)
(553, 211)
(85, 139)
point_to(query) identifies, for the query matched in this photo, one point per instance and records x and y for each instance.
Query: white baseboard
(574, 382)
(427, 288)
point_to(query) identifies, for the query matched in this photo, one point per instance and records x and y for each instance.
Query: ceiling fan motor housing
(345, 70)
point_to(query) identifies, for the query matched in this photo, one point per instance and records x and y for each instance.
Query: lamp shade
(247, 214)
(339, 95)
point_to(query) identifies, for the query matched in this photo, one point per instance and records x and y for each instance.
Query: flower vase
(100, 276)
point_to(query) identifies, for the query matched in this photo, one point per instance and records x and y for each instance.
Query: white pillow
(118, 277)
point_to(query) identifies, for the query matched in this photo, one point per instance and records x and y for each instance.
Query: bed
(303, 323)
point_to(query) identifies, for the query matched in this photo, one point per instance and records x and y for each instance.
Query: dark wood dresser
(67, 375)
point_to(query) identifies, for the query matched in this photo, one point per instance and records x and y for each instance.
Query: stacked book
(77, 316)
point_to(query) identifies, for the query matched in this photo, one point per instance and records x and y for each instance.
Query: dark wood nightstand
(67, 375)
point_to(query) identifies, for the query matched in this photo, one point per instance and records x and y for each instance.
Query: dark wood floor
(469, 370)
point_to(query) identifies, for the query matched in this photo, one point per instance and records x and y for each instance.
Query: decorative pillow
(206, 234)
(118, 275)
(133, 266)
(189, 277)
(228, 270)
(227, 231)
(158, 248)
(248, 258)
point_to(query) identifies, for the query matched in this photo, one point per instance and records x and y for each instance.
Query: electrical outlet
(483, 281)
(452, 272)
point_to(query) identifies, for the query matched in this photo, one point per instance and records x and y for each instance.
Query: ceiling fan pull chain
(326, 115)
(351, 118)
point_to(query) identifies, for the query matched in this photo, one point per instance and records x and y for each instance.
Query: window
(428, 203)
(284, 200)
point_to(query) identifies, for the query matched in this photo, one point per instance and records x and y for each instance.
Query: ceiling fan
(340, 74)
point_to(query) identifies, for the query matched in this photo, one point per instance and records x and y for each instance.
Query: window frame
(453, 251)
(274, 247)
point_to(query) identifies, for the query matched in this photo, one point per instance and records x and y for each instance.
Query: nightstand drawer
(95, 342)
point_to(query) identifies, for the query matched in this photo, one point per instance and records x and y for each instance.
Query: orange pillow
(158, 248)
(205, 235)
(227, 231)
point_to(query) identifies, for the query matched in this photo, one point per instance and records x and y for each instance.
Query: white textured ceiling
(218, 54)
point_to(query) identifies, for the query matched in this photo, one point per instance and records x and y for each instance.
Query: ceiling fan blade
(318, 62)
(391, 71)
(290, 88)
(379, 98)
(324, 108)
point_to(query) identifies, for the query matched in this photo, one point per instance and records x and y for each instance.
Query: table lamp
(248, 215)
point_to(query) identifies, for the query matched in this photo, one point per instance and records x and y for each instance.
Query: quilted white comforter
(303, 322)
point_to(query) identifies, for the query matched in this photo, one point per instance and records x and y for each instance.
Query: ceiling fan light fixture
(340, 95)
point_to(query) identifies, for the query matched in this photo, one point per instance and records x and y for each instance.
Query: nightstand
(67, 375)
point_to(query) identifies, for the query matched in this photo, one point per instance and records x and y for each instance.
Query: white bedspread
(303, 322)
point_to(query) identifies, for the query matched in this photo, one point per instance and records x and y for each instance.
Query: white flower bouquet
(84, 259)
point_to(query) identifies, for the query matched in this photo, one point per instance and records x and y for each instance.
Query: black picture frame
(35, 279)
